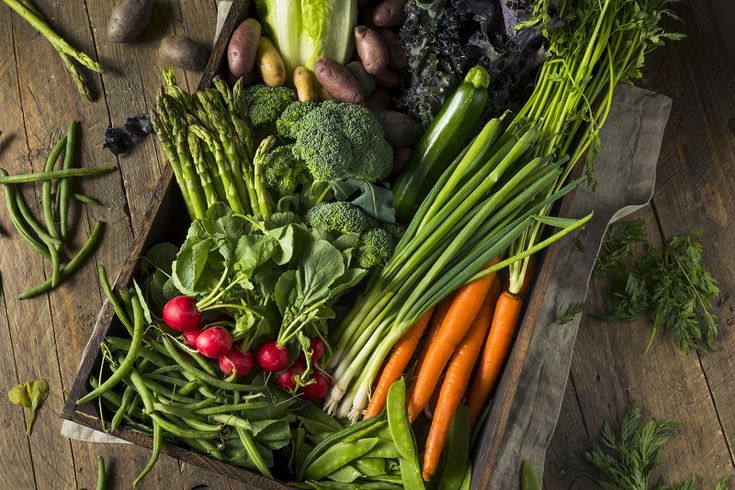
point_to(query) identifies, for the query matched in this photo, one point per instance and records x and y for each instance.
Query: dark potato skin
(379, 99)
(389, 78)
(242, 48)
(389, 13)
(400, 129)
(182, 52)
(367, 82)
(128, 19)
(338, 81)
(371, 49)
(396, 54)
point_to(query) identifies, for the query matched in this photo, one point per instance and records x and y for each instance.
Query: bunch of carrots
(471, 330)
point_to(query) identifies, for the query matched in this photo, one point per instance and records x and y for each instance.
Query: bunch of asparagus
(68, 53)
(48, 239)
(209, 146)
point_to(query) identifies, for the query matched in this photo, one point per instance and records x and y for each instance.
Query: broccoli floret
(293, 114)
(281, 170)
(339, 217)
(377, 247)
(265, 104)
(337, 140)
(396, 230)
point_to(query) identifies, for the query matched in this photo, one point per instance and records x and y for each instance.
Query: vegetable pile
(308, 293)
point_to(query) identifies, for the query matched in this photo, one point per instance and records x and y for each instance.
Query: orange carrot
(466, 304)
(503, 327)
(397, 362)
(455, 383)
(436, 322)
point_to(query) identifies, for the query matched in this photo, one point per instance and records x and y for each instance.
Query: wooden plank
(696, 179)
(610, 371)
(14, 446)
(565, 465)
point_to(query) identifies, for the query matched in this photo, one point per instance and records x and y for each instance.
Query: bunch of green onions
(209, 146)
(499, 192)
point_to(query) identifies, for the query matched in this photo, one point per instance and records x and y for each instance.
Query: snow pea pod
(457, 452)
(328, 441)
(126, 366)
(346, 474)
(337, 456)
(402, 436)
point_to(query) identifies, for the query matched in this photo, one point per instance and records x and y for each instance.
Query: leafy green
(675, 286)
(304, 31)
(30, 395)
(569, 313)
(627, 461)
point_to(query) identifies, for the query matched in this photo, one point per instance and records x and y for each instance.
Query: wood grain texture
(694, 189)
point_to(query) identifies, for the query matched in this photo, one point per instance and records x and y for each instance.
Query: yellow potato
(304, 83)
(270, 63)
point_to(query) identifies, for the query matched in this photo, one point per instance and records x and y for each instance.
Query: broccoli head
(396, 230)
(337, 140)
(339, 217)
(293, 114)
(282, 172)
(377, 247)
(265, 104)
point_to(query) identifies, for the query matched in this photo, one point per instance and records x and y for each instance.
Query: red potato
(389, 13)
(379, 99)
(243, 47)
(389, 78)
(338, 81)
(371, 49)
(367, 82)
(396, 54)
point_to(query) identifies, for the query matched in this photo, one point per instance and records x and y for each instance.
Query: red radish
(286, 379)
(317, 349)
(319, 388)
(214, 342)
(236, 360)
(180, 313)
(190, 336)
(272, 357)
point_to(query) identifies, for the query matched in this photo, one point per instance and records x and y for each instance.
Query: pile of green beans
(375, 453)
(48, 238)
(156, 386)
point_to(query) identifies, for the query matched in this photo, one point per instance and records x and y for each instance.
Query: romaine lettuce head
(304, 31)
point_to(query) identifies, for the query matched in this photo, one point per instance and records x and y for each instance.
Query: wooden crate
(166, 218)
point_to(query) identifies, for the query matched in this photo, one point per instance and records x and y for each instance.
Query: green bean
(48, 211)
(170, 380)
(122, 409)
(337, 456)
(232, 421)
(120, 344)
(239, 407)
(126, 366)
(190, 387)
(181, 432)
(110, 396)
(172, 368)
(202, 376)
(63, 190)
(85, 198)
(206, 447)
(155, 453)
(199, 425)
(101, 474)
(70, 267)
(186, 416)
(249, 444)
(197, 358)
(55, 174)
(163, 391)
(27, 215)
(17, 220)
(107, 288)
(196, 405)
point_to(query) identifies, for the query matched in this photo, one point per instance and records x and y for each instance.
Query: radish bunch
(216, 342)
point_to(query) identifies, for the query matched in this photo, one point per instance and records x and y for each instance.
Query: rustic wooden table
(44, 337)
